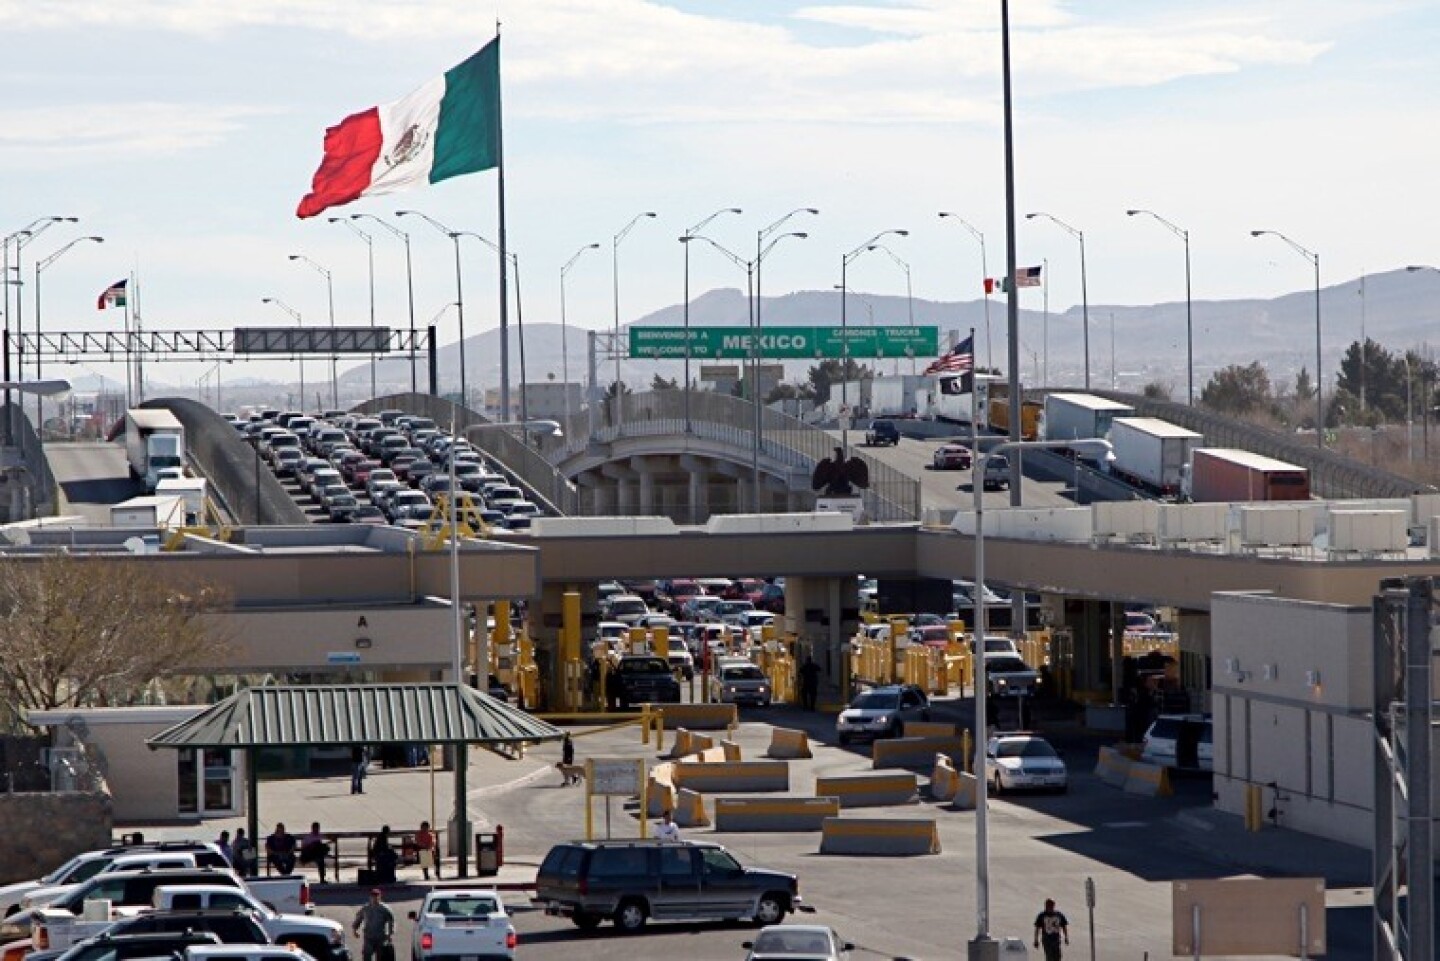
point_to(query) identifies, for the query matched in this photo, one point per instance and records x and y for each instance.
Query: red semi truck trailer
(1222, 474)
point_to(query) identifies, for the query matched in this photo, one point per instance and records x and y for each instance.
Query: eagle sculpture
(839, 477)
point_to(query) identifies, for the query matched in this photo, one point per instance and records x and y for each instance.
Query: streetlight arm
(620, 237)
(706, 222)
(1180, 232)
(428, 219)
(394, 230)
(1077, 234)
(42, 264)
(295, 314)
(571, 262)
(771, 245)
(771, 228)
(964, 223)
(1305, 252)
(871, 243)
(734, 258)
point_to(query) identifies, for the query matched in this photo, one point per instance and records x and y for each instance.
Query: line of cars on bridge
(391, 468)
(178, 899)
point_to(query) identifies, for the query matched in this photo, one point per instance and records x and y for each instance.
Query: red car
(360, 473)
(952, 457)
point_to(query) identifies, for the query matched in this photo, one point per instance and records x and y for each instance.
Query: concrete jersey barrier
(1112, 767)
(774, 814)
(869, 790)
(740, 776)
(880, 836)
(914, 751)
(698, 717)
(1149, 780)
(786, 743)
(944, 779)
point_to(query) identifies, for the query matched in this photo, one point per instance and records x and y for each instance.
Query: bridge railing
(524, 463)
(1332, 475)
(785, 442)
(44, 492)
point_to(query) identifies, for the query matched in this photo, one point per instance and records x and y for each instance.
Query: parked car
(1020, 761)
(951, 457)
(462, 923)
(1183, 741)
(882, 433)
(742, 683)
(882, 712)
(793, 942)
(632, 882)
(680, 657)
(643, 678)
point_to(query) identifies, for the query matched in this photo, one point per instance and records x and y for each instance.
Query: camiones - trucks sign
(783, 343)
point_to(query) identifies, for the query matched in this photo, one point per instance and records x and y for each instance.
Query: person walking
(375, 926)
(667, 829)
(1050, 928)
(358, 762)
(809, 683)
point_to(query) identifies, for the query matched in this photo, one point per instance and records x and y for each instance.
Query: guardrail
(44, 490)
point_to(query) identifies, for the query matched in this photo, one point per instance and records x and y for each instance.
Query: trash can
(489, 851)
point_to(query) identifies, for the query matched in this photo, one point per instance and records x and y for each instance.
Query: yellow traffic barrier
(944, 779)
(739, 776)
(965, 793)
(689, 810)
(869, 790)
(732, 750)
(876, 836)
(1254, 819)
(930, 729)
(700, 717)
(913, 751)
(788, 743)
(1112, 767)
(1149, 780)
(774, 814)
(700, 743)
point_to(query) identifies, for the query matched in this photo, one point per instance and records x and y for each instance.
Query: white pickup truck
(94, 905)
(83, 867)
(462, 923)
(321, 938)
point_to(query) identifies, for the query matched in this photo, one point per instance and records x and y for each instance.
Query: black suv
(882, 433)
(630, 882)
(642, 679)
(108, 947)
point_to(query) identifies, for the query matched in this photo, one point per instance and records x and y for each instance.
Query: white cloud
(84, 131)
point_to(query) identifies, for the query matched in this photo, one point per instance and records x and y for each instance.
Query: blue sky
(185, 132)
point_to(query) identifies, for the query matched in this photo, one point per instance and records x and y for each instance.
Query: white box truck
(191, 490)
(154, 440)
(1073, 416)
(1152, 454)
(153, 511)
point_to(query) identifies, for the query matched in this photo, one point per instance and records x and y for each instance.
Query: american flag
(1027, 276)
(961, 357)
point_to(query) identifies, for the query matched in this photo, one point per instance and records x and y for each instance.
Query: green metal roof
(357, 714)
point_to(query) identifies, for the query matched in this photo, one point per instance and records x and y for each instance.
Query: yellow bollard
(659, 718)
(967, 744)
(645, 724)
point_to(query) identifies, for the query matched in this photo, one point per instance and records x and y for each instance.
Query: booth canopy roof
(356, 714)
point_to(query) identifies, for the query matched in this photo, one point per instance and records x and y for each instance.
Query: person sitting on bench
(314, 849)
(383, 857)
(280, 850)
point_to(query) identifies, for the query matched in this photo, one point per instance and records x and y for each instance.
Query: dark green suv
(631, 882)
(882, 433)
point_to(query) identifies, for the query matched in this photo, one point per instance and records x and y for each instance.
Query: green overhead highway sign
(783, 343)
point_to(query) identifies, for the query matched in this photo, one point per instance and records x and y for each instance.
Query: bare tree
(91, 631)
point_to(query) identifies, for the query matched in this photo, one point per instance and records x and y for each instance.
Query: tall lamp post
(686, 248)
(459, 293)
(904, 265)
(295, 314)
(984, 275)
(40, 266)
(564, 329)
(330, 294)
(513, 265)
(845, 262)
(1314, 259)
(1084, 294)
(349, 224)
(615, 243)
(409, 291)
(18, 240)
(1189, 324)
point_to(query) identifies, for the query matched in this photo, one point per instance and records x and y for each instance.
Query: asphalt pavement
(917, 907)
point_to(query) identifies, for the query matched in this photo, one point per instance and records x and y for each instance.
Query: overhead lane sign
(783, 343)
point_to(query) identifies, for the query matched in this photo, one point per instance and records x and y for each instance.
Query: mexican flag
(448, 127)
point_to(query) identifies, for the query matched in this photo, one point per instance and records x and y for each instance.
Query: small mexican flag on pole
(449, 127)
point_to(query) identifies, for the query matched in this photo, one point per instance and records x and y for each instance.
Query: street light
(409, 292)
(686, 247)
(1084, 295)
(299, 323)
(564, 328)
(615, 284)
(904, 265)
(370, 262)
(19, 239)
(40, 266)
(984, 276)
(1189, 326)
(330, 293)
(1314, 259)
(459, 293)
(760, 236)
(845, 329)
(512, 263)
